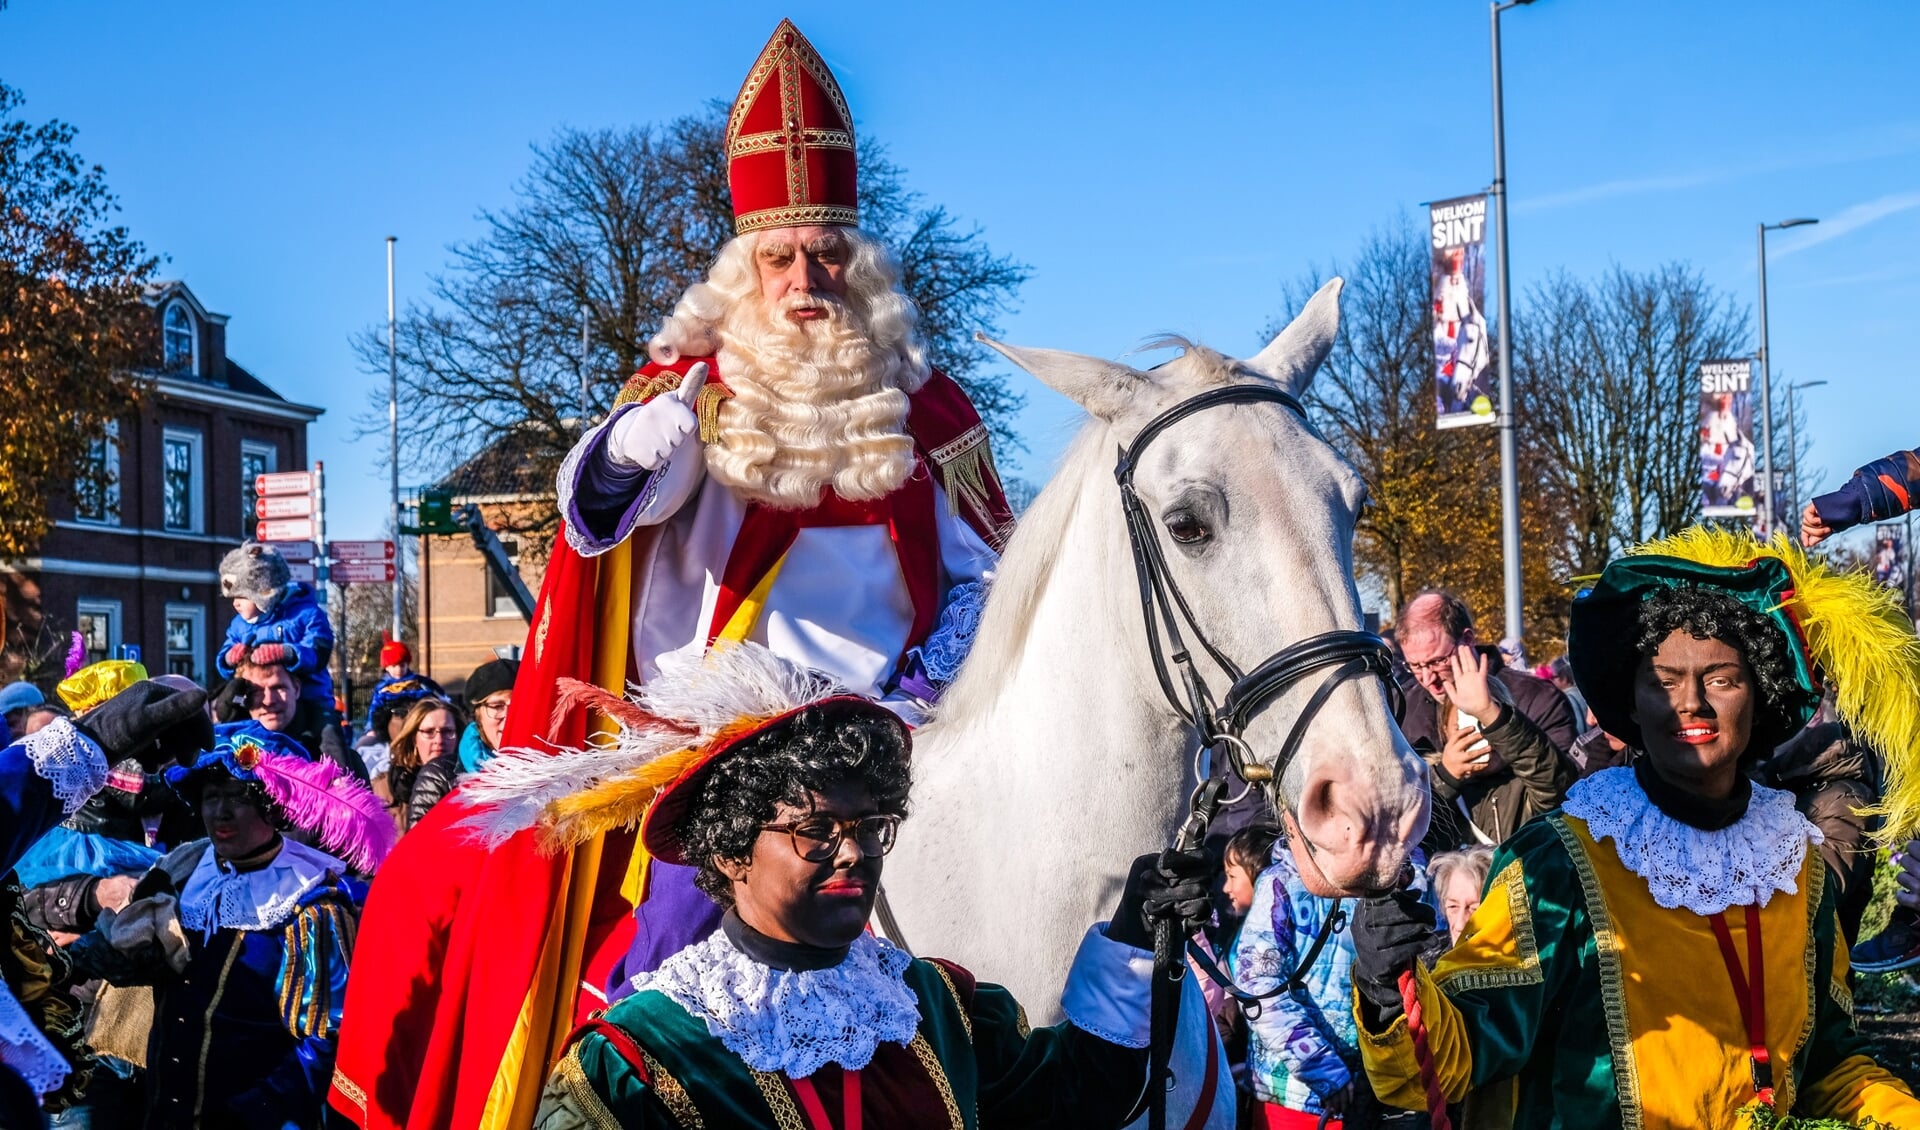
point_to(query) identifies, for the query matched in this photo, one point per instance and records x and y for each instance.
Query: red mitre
(790, 159)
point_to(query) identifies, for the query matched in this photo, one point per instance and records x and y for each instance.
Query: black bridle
(1336, 656)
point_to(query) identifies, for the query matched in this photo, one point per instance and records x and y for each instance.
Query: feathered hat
(668, 736)
(790, 154)
(1841, 629)
(317, 797)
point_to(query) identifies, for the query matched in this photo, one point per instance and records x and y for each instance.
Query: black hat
(491, 676)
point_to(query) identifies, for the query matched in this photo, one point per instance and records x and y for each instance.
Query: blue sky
(1161, 167)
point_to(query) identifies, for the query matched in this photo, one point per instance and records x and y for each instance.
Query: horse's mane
(1025, 568)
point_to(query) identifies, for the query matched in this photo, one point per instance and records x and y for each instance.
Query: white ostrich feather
(731, 684)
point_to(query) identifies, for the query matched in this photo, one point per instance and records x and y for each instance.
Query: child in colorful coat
(276, 621)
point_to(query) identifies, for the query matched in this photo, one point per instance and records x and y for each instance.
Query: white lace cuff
(68, 760)
(23, 1048)
(1108, 989)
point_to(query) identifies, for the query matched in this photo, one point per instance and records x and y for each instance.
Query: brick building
(138, 565)
(469, 616)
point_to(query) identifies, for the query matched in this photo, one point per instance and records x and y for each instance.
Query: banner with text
(1463, 373)
(1729, 459)
(1890, 556)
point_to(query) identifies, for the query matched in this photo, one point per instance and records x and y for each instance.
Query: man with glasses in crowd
(1495, 738)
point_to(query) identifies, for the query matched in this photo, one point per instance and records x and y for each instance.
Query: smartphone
(1463, 719)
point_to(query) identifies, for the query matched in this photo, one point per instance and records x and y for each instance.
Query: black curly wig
(818, 748)
(1706, 612)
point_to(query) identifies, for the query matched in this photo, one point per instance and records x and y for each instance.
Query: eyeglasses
(491, 707)
(817, 838)
(1432, 666)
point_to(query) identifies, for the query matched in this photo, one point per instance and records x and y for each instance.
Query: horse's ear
(1291, 359)
(1106, 389)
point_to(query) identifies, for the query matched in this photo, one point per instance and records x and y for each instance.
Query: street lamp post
(1509, 458)
(393, 436)
(1793, 443)
(1766, 382)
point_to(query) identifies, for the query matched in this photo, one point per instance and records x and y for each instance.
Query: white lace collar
(219, 898)
(1705, 872)
(793, 1022)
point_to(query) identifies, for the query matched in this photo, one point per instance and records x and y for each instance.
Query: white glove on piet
(646, 436)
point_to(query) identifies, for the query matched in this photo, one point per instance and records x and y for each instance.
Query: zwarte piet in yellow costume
(1662, 951)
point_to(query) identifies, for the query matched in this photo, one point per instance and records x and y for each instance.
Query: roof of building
(517, 464)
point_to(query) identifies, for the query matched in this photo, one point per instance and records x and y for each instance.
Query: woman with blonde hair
(428, 737)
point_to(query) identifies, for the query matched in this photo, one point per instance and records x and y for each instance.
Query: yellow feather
(1864, 646)
(620, 802)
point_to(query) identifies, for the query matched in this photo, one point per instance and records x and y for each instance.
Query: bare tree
(615, 225)
(1607, 376)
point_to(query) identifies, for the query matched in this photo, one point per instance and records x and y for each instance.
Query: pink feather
(76, 655)
(321, 797)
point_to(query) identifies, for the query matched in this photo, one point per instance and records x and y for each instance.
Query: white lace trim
(68, 760)
(793, 1022)
(25, 1049)
(219, 898)
(1704, 872)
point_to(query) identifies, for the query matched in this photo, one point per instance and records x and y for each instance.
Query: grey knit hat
(256, 571)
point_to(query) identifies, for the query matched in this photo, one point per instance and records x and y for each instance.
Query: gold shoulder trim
(924, 1052)
(966, 1020)
(706, 406)
(1463, 979)
(966, 469)
(773, 1088)
(678, 1102)
(569, 1102)
(1613, 993)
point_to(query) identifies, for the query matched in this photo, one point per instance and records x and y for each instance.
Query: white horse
(1055, 759)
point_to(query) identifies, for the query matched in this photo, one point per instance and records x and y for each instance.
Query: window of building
(177, 339)
(499, 596)
(97, 497)
(98, 622)
(256, 459)
(186, 629)
(182, 507)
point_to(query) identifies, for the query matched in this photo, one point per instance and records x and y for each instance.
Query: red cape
(469, 962)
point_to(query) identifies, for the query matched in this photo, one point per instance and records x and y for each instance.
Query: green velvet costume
(972, 1063)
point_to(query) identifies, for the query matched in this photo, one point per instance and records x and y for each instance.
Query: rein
(1336, 657)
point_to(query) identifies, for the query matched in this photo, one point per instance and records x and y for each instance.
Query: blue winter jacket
(301, 624)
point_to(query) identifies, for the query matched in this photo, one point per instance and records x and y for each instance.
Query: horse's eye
(1186, 528)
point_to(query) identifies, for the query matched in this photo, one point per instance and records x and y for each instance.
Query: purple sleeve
(28, 806)
(600, 499)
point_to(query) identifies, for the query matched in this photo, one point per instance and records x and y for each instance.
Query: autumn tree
(614, 225)
(1432, 517)
(74, 326)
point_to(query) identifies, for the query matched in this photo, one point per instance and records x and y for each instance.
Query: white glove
(646, 436)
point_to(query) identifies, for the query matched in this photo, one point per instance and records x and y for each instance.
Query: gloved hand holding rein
(1170, 884)
(1389, 933)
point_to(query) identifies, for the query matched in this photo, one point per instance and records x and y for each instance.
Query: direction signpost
(362, 551)
(284, 483)
(284, 529)
(291, 551)
(283, 506)
(362, 572)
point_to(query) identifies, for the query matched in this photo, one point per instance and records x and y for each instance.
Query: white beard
(815, 405)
